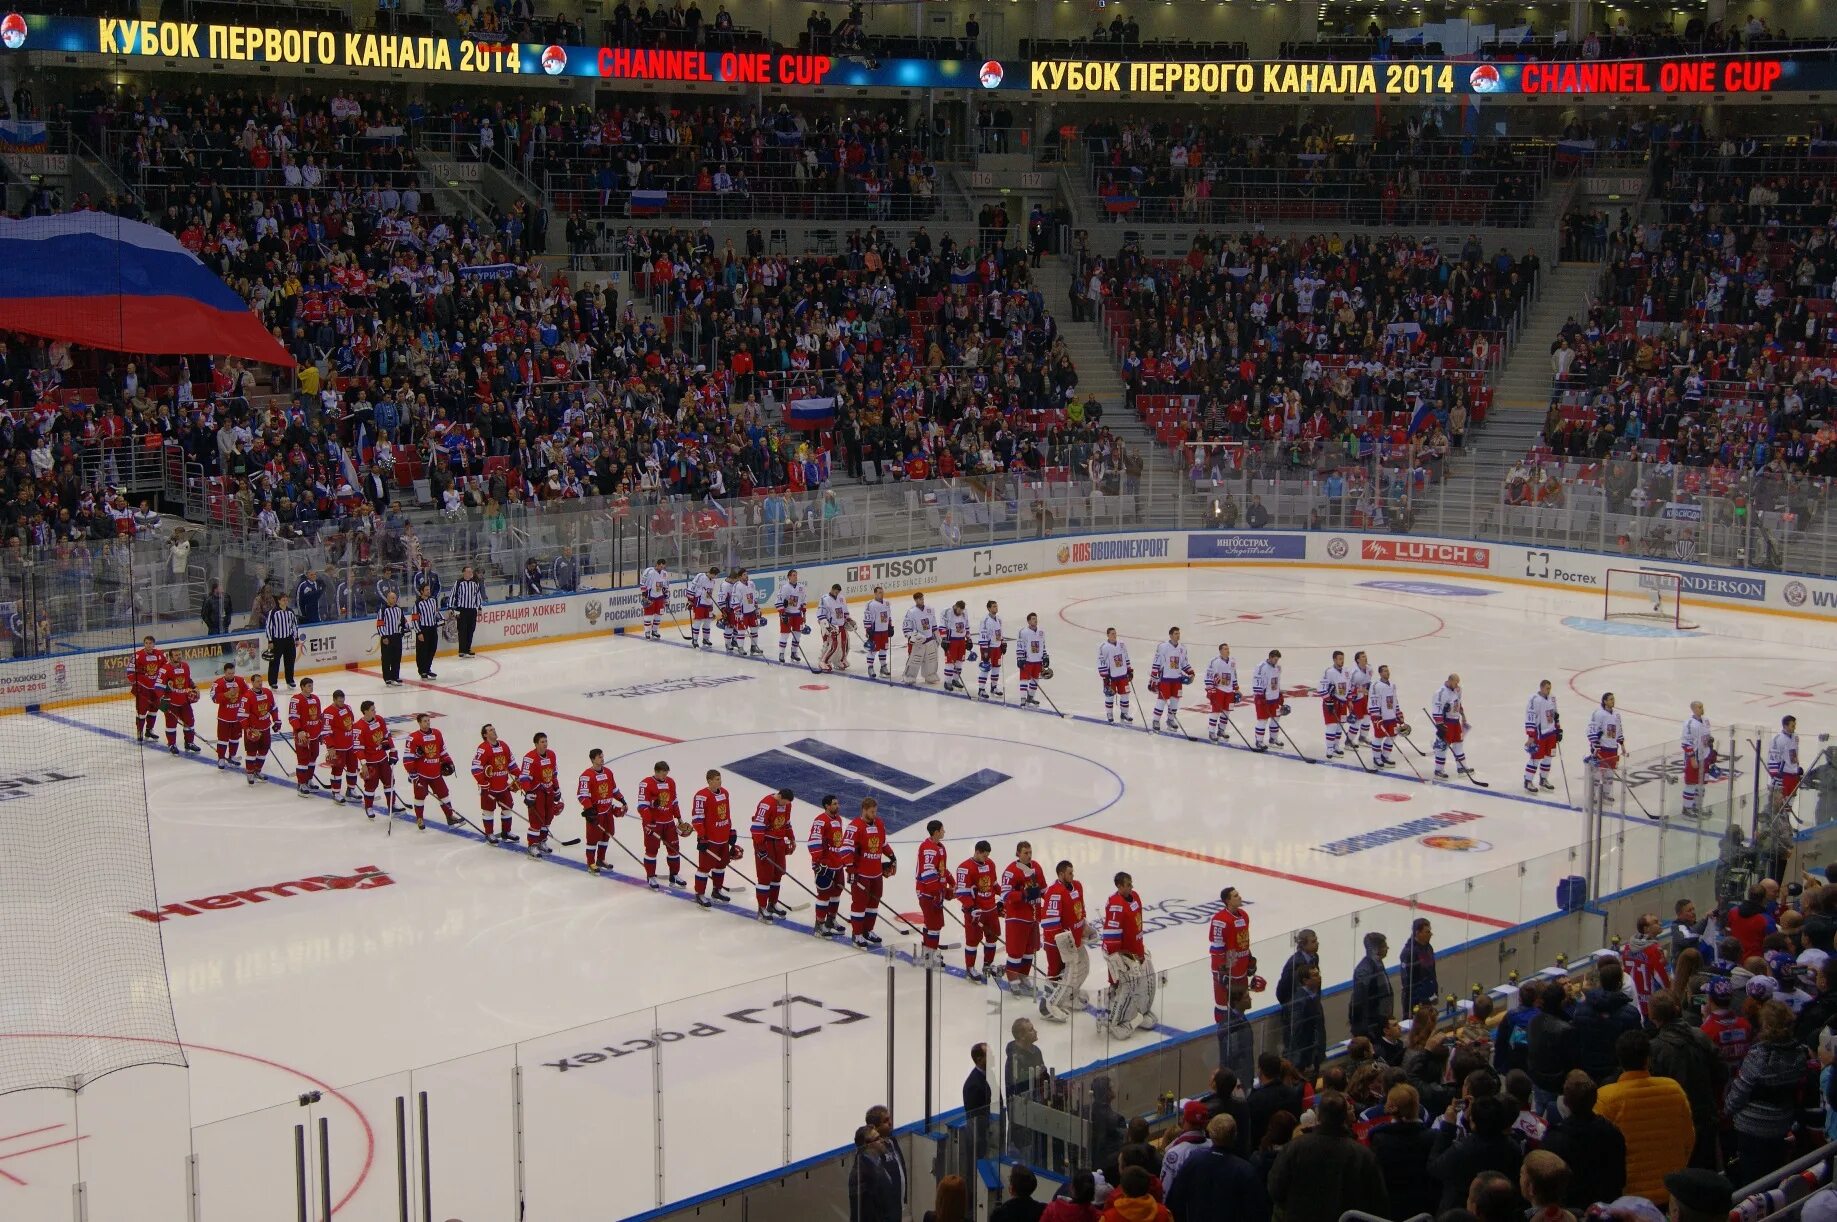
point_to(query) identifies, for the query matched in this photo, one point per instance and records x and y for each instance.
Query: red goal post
(1652, 595)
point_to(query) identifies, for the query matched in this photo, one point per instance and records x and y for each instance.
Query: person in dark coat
(1218, 1184)
(1404, 1144)
(1372, 1003)
(978, 1098)
(1417, 960)
(1602, 1016)
(872, 1196)
(1270, 1095)
(1684, 1054)
(1304, 1037)
(1487, 1145)
(1594, 1148)
(1550, 1046)
(1020, 1205)
(1324, 1173)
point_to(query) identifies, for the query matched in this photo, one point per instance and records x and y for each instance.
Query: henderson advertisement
(967, 569)
(226, 45)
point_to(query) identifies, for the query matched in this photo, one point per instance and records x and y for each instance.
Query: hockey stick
(1459, 766)
(1356, 754)
(798, 653)
(1415, 769)
(1289, 739)
(1137, 697)
(1564, 765)
(1231, 728)
(1040, 687)
(560, 840)
(1631, 793)
(754, 884)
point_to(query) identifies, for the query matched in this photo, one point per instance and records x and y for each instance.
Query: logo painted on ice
(364, 878)
(1455, 844)
(1382, 836)
(812, 767)
(1432, 589)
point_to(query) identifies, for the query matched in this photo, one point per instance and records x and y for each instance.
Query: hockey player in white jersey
(1699, 747)
(1335, 702)
(654, 590)
(1783, 765)
(1358, 701)
(833, 612)
(1266, 690)
(1543, 730)
(1168, 676)
(991, 645)
(1116, 673)
(921, 629)
(1035, 664)
(1221, 693)
(790, 601)
(1606, 740)
(703, 608)
(877, 622)
(1387, 724)
(745, 596)
(954, 632)
(724, 608)
(1450, 728)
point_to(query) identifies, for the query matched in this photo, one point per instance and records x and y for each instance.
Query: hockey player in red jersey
(773, 843)
(601, 804)
(1129, 1003)
(1065, 932)
(376, 750)
(664, 827)
(177, 693)
(828, 863)
(931, 879)
(340, 747)
(539, 777)
(148, 663)
(227, 694)
(307, 719)
(978, 893)
(494, 770)
(261, 720)
(1023, 887)
(716, 842)
(1232, 962)
(428, 766)
(870, 863)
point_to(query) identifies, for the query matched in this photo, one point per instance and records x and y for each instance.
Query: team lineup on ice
(977, 780)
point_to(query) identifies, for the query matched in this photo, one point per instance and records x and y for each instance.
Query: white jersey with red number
(919, 624)
(743, 597)
(1696, 738)
(491, 767)
(1221, 676)
(1540, 716)
(654, 583)
(1064, 912)
(1333, 685)
(1358, 686)
(1122, 925)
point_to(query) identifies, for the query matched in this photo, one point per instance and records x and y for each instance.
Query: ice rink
(471, 959)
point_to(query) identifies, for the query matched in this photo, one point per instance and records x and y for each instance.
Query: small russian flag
(811, 414)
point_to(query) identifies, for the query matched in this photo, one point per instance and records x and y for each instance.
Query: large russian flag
(811, 413)
(98, 280)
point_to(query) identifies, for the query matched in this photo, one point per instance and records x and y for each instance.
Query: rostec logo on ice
(792, 1017)
(983, 564)
(364, 878)
(894, 570)
(1407, 551)
(1098, 551)
(1748, 589)
(24, 784)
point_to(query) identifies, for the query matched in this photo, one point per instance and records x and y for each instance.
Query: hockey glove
(736, 851)
(1034, 891)
(825, 877)
(804, 631)
(165, 706)
(446, 768)
(1559, 734)
(1045, 661)
(1530, 745)
(892, 866)
(702, 846)
(1441, 732)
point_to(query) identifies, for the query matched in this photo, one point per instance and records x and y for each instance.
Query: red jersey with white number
(827, 832)
(977, 886)
(259, 710)
(931, 870)
(1064, 912)
(375, 744)
(864, 846)
(491, 767)
(340, 727)
(538, 772)
(1730, 1034)
(228, 693)
(598, 792)
(1647, 969)
(175, 683)
(423, 752)
(772, 821)
(1230, 939)
(148, 663)
(657, 800)
(711, 814)
(1122, 925)
(1015, 880)
(305, 715)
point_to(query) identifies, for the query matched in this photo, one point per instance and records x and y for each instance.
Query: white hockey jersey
(789, 598)
(954, 624)
(1783, 755)
(1267, 681)
(654, 582)
(1605, 732)
(1170, 662)
(1221, 676)
(701, 590)
(723, 593)
(919, 624)
(1333, 685)
(1113, 660)
(990, 636)
(833, 610)
(743, 596)
(878, 616)
(1030, 645)
(1540, 715)
(1447, 705)
(1358, 682)
(1386, 704)
(1696, 737)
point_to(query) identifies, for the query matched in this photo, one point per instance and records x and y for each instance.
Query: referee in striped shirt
(428, 618)
(468, 598)
(283, 631)
(391, 622)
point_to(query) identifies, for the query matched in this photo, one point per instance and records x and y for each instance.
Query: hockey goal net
(1645, 594)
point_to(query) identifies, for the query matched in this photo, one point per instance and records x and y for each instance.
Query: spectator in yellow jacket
(1653, 1114)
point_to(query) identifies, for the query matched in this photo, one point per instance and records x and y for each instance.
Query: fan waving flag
(812, 413)
(98, 280)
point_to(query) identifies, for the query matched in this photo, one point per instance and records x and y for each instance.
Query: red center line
(527, 708)
(1267, 872)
